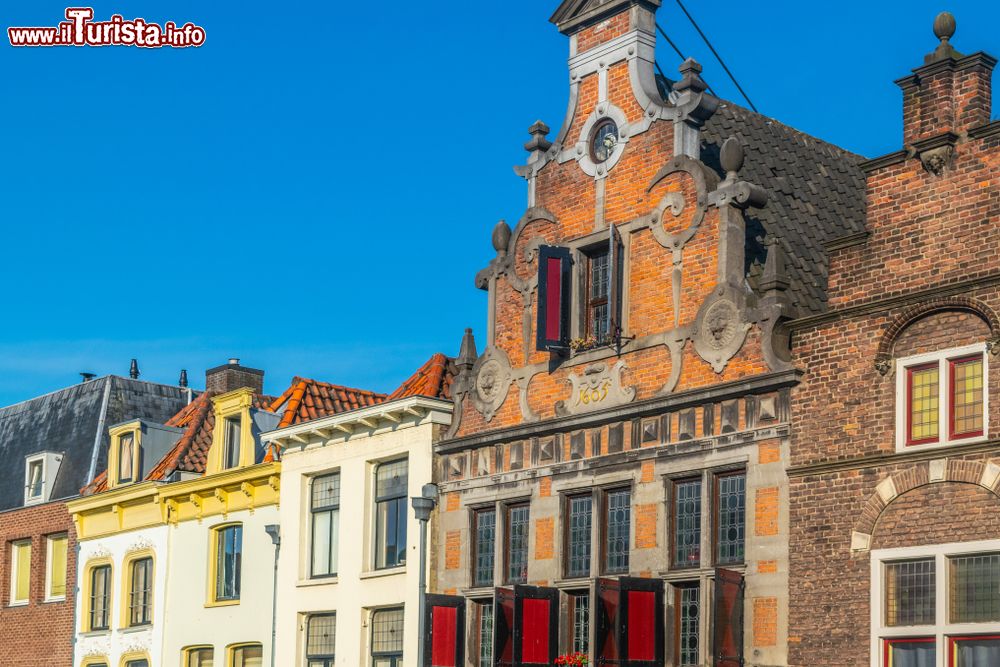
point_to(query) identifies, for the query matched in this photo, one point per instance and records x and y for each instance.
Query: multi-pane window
(250, 655)
(516, 544)
(580, 622)
(321, 640)
(617, 526)
(483, 546)
(140, 595)
(325, 512)
(387, 638)
(578, 529)
(935, 603)
(231, 451)
(228, 562)
(598, 293)
(202, 656)
(390, 514)
(100, 597)
(484, 633)
(942, 397)
(55, 578)
(138, 662)
(126, 458)
(687, 523)
(687, 606)
(20, 573)
(730, 517)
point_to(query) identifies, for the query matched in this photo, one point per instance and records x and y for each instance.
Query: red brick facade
(39, 634)
(925, 278)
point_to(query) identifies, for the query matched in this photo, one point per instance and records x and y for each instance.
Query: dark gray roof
(66, 422)
(816, 193)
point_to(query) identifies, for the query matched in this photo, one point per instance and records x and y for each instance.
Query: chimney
(87, 377)
(949, 95)
(232, 376)
(133, 369)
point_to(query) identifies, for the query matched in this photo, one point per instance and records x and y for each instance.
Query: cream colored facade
(352, 445)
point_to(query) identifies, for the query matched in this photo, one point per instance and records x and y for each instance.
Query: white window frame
(49, 539)
(942, 629)
(28, 463)
(944, 389)
(14, 602)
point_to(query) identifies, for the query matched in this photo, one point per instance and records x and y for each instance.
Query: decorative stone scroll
(597, 388)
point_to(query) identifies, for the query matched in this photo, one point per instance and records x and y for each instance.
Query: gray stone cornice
(893, 458)
(654, 406)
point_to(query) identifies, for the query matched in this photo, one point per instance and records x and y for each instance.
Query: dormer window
(39, 473)
(231, 457)
(126, 458)
(35, 470)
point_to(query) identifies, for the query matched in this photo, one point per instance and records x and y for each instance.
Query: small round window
(603, 141)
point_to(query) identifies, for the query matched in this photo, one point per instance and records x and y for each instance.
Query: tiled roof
(432, 380)
(816, 193)
(309, 399)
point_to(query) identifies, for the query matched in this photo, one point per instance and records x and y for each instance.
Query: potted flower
(573, 660)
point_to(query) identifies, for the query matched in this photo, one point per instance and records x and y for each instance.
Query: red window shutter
(728, 640)
(642, 621)
(445, 620)
(606, 627)
(554, 277)
(503, 627)
(536, 625)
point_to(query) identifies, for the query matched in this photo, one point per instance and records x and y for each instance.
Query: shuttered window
(554, 278)
(484, 546)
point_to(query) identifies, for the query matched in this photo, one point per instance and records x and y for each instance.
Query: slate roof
(68, 422)
(816, 193)
(309, 399)
(432, 380)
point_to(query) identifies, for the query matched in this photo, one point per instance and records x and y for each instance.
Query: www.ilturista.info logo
(81, 30)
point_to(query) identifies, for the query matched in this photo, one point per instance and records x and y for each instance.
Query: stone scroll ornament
(598, 387)
(492, 377)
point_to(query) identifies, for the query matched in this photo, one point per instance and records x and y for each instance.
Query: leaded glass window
(598, 292)
(321, 640)
(974, 588)
(581, 623)
(484, 546)
(909, 592)
(687, 523)
(579, 522)
(688, 610)
(325, 512)
(390, 511)
(517, 544)
(618, 523)
(730, 518)
(387, 638)
(485, 634)
(967, 396)
(923, 403)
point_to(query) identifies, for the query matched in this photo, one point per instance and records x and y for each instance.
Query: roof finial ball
(501, 237)
(944, 29)
(731, 157)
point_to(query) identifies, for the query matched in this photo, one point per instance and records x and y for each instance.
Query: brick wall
(39, 634)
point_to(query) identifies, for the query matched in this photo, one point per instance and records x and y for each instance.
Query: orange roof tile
(309, 399)
(432, 380)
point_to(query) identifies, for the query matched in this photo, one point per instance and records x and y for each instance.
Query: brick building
(48, 447)
(895, 520)
(613, 481)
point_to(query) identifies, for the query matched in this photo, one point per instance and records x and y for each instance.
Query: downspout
(275, 532)
(100, 430)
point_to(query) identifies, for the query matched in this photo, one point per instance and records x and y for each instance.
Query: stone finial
(501, 237)
(732, 157)
(467, 354)
(538, 142)
(183, 381)
(133, 369)
(944, 30)
(691, 79)
(775, 275)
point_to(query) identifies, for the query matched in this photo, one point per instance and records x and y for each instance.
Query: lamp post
(423, 505)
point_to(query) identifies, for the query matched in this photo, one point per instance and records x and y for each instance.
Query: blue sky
(314, 189)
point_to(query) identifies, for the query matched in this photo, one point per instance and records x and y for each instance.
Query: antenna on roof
(133, 369)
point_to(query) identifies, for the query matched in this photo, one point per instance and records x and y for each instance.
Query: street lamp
(423, 505)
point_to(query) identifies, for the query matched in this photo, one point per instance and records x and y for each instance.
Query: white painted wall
(358, 588)
(112, 644)
(190, 621)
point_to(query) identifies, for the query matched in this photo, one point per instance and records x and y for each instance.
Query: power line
(715, 53)
(679, 53)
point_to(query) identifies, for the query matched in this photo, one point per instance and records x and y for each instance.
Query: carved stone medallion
(493, 376)
(720, 329)
(597, 388)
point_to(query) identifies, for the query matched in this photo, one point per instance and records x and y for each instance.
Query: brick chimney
(949, 95)
(231, 376)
